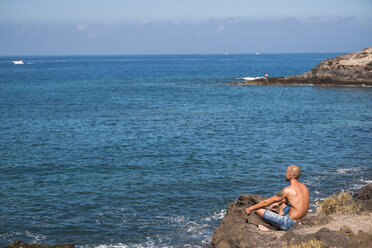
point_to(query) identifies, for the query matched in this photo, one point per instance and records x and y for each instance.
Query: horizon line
(171, 54)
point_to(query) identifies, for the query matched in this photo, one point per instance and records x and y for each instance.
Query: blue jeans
(281, 221)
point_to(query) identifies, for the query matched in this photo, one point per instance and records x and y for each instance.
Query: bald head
(294, 171)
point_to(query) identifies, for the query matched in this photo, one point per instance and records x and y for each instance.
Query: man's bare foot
(263, 228)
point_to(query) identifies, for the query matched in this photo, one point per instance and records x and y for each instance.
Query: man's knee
(260, 211)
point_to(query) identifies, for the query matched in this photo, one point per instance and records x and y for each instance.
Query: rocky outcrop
(364, 198)
(21, 244)
(330, 238)
(239, 230)
(349, 67)
(353, 69)
(346, 230)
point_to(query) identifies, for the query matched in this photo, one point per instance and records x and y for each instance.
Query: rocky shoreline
(336, 230)
(237, 230)
(353, 69)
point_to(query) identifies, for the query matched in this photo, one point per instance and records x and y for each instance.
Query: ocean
(147, 151)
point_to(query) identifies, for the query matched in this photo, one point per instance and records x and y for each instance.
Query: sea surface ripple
(147, 151)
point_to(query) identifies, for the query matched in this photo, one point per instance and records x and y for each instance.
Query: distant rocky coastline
(237, 230)
(353, 69)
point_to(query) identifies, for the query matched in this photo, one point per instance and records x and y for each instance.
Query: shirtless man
(293, 202)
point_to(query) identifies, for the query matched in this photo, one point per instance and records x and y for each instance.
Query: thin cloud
(92, 35)
(328, 19)
(81, 27)
(22, 31)
(221, 27)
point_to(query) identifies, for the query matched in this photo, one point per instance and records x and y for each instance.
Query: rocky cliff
(349, 67)
(353, 69)
(342, 230)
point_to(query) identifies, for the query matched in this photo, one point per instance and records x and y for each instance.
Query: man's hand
(248, 211)
(274, 206)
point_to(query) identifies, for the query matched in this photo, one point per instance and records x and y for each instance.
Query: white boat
(18, 62)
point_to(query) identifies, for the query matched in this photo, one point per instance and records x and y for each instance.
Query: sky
(84, 27)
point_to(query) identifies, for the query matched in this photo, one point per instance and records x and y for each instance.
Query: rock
(349, 67)
(346, 230)
(364, 198)
(328, 237)
(21, 244)
(363, 240)
(331, 238)
(345, 70)
(315, 220)
(239, 230)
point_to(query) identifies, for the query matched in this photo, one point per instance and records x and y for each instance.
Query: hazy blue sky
(183, 26)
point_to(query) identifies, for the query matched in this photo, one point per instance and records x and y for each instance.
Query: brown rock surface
(363, 240)
(364, 198)
(21, 244)
(328, 237)
(339, 230)
(239, 230)
(353, 66)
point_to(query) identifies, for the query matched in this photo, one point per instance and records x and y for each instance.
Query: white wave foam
(199, 228)
(120, 245)
(360, 184)
(346, 170)
(34, 238)
(251, 78)
(357, 186)
(218, 215)
(366, 181)
(149, 243)
(112, 246)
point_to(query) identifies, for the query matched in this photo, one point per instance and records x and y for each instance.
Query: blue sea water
(147, 151)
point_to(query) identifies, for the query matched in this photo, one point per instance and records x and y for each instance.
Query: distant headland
(353, 69)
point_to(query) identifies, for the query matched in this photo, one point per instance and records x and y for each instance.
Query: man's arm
(277, 204)
(281, 195)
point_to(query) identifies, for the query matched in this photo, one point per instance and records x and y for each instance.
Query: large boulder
(364, 198)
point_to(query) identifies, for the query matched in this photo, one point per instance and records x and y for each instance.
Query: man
(293, 202)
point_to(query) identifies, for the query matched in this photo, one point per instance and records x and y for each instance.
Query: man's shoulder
(283, 192)
(289, 189)
(295, 187)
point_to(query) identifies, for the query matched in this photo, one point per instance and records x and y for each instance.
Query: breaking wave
(251, 78)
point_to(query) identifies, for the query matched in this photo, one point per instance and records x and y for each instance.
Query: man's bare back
(292, 200)
(297, 198)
